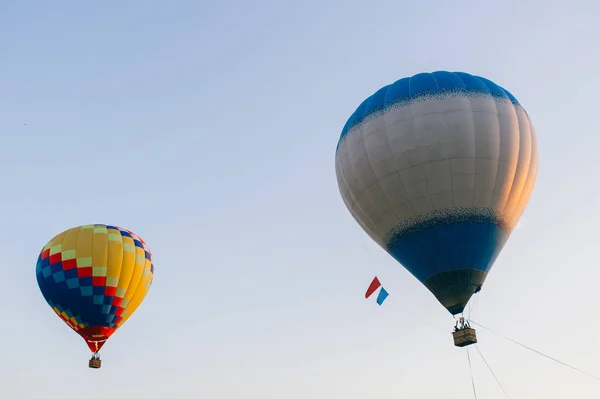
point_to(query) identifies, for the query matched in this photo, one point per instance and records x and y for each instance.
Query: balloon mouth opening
(95, 346)
(454, 289)
(456, 297)
(95, 337)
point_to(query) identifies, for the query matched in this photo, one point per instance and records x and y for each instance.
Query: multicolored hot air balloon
(437, 168)
(94, 277)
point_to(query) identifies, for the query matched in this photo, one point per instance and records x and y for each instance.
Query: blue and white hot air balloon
(437, 168)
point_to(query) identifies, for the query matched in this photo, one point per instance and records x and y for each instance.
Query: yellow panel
(135, 280)
(100, 250)
(57, 239)
(69, 242)
(136, 301)
(84, 243)
(115, 255)
(139, 295)
(127, 267)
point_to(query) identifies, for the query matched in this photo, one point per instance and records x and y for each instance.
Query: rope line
(538, 352)
(471, 370)
(491, 371)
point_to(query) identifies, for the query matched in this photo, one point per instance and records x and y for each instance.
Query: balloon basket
(95, 363)
(464, 337)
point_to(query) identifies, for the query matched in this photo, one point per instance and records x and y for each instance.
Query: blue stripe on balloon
(451, 242)
(422, 87)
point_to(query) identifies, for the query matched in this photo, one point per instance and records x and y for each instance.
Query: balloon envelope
(94, 277)
(437, 168)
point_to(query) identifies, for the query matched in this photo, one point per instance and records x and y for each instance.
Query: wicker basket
(464, 337)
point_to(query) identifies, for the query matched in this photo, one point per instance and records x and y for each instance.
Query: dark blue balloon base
(450, 252)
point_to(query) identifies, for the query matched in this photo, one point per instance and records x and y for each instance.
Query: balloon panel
(94, 277)
(437, 169)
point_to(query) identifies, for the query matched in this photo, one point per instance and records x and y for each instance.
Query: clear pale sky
(210, 129)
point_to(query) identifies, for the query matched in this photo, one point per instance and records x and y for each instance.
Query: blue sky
(209, 129)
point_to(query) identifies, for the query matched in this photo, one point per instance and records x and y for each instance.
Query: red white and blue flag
(373, 287)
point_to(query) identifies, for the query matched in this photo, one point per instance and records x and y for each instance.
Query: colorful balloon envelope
(94, 277)
(437, 168)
